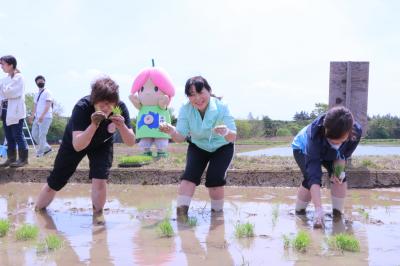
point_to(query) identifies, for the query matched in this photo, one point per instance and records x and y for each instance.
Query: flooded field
(131, 234)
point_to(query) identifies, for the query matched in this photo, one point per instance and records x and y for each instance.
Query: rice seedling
(286, 241)
(134, 161)
(338, 169)
(363, 213)
(27, 232)
(53, 242)
(301, 241)
(4, 227)
(244, 230)
(344, 242)
(117, 110)
(275, 214)
(50, 243)
(165, 228)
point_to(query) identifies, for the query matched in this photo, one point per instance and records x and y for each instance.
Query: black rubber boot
(22, 160)
(11, 158)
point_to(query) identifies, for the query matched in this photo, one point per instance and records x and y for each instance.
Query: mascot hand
(135, 100)
(163, 101)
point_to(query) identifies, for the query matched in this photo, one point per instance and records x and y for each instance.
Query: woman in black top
(90, 132)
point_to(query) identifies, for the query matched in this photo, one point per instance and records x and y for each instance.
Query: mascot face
(149, 93)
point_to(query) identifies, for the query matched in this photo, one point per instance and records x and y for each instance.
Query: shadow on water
(132, 215)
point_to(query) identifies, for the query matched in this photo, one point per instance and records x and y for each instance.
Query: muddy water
(130, 237)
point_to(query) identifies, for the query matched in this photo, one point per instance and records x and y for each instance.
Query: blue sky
(265, 57)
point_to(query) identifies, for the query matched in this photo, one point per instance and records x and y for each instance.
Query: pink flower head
(158, 76)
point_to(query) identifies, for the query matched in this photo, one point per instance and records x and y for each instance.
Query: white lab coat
(13, 90)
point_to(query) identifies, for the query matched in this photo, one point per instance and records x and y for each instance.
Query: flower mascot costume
(151, 94)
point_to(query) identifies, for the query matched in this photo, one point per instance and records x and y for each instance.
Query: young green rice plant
(165, 228)
(286, 241)
(27, 232)
(344, 242)
(244, 230)
(117, 110)
(301, 241)
(134, 161)
(363, 213)
(275, 214)
(4, 227)
(338, 169)
(53, 242)
(386, 204)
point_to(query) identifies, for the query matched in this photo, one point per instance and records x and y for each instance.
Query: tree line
(379, 127)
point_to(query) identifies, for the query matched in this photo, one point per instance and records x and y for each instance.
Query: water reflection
(129, 236)
(214, 252)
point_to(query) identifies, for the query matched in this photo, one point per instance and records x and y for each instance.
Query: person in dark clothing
(90, 132)
(328, 141)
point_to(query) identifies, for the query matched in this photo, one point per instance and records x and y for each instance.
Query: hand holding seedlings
(338, 171)
(118, 121)
(97, 117)
(116, 110)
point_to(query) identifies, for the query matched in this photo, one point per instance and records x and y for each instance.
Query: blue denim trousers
(14, 134)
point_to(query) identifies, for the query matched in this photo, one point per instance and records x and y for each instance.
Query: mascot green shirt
(149, 120)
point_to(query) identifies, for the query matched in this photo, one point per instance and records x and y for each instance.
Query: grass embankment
(177, 157)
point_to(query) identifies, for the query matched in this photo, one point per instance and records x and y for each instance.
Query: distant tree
(174, 119)
(319, 109)
(269, 127)
(244, 129)
(250, 116)
(283, 132)
(301, 116)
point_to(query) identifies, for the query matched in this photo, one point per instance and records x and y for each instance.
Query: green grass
(380, 141)
(301, 241)
(165, 228)
(27, 232)
(275, 214)
(136, 159)
(4, 227)
(51, 243)
(117, 110)
(244, 230)
(344, 242)
(368, 163)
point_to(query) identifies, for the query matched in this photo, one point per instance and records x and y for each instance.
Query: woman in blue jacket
(207, 124)
(328, 141)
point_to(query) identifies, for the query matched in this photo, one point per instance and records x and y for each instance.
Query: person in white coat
(12, 95)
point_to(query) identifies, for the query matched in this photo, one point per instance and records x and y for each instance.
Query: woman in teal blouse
(206, 123)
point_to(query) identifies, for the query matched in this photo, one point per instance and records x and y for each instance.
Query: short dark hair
(39, 77)
(9, 59)
(337, 122)
(104, 89)
(199, 84)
